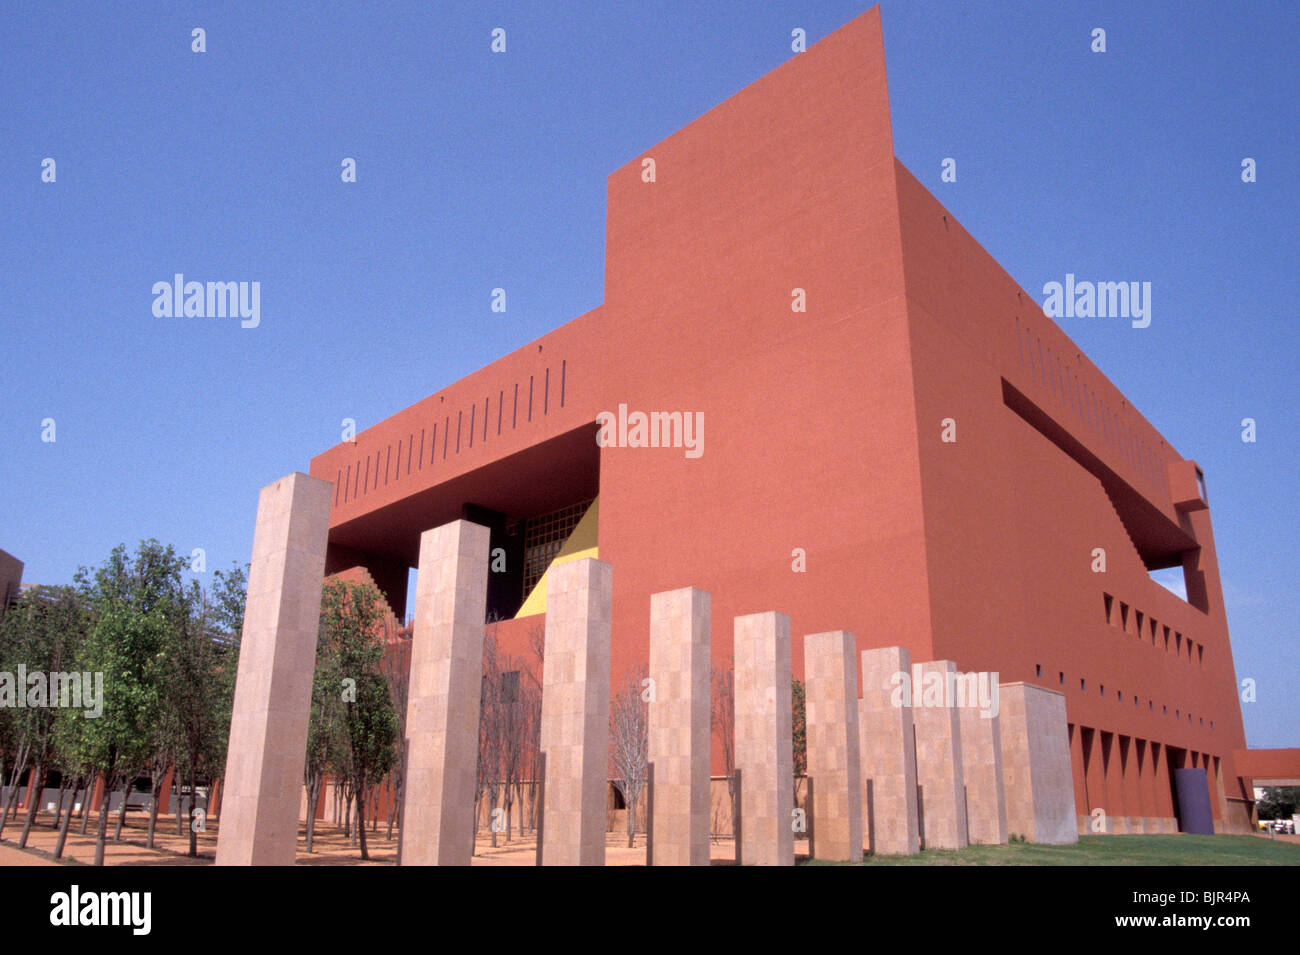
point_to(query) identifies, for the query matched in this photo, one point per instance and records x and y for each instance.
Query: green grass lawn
(1111, 850)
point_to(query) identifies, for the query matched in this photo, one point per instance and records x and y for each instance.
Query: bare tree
(530, 734)
(513, 729)
(715, 827)
(490, 719)
(723, 717)
(531, 731)
(629, 744)
(537, 640)
(799, 736)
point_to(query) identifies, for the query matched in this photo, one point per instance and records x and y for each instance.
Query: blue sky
(478, 170)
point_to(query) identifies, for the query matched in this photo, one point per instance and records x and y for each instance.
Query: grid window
(544, 537)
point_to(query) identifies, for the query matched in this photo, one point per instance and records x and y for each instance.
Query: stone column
(981, 761)
(1036, 764)
(764, 744)
(575, 712)
(277, 658)
(834, 758)
(939, 771)
(679, 725)
(888, 753)
(446, 685)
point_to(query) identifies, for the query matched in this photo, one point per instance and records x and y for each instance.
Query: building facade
(853, 415)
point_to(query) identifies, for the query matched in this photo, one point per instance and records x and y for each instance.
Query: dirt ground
(331, 847)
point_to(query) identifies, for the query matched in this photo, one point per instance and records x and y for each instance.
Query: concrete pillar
(277, 659)
(446, 685)
(834, 759)
(764, 738)
(888, 754)
(939, 771)
(981, 762)
(575, 712)
(1037, 764)
(680, 725)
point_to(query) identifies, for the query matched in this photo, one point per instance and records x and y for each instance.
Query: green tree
(1279, 802)
(71, 755)
(42, 634)
(128, 648)
(323, 727)
(351, 627)
(139, 603)
(200, 682)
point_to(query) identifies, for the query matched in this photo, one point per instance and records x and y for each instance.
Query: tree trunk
(85, 803)
(392, 807)
(64, 792)
(155, 790)
(731, 792)
(34, 803)
(102, 830)
(67, 822)
(9, 805)
(15, 777)
(128, 786)
(361, 821)
(631, 822)
(180, 811)
(194, 804)
(313, 796)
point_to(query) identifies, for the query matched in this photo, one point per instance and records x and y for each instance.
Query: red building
(895, 441)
